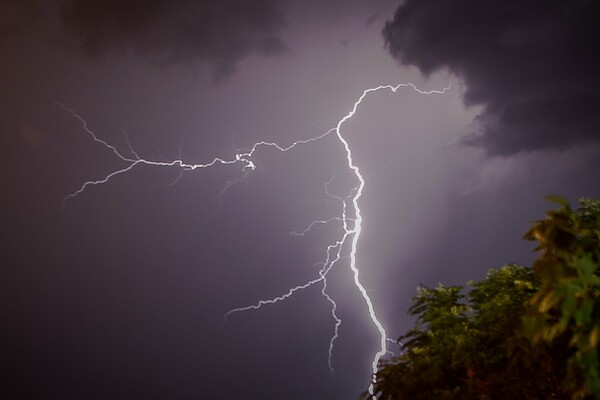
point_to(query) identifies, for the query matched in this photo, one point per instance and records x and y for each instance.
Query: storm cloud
(532, 65)
(219, 34)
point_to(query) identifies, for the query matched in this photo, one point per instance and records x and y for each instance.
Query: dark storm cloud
(17, 18)
(532, 65)
(219, 33)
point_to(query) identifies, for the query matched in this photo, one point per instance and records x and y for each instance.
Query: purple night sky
(121, 293)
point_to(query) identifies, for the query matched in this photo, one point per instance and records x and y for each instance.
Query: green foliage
(568, 303)
(470, 346)
(520, 333)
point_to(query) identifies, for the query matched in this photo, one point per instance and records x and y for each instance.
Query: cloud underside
(217, 33)
(533, 65)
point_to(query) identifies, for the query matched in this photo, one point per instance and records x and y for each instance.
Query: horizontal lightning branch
(313, 224)
(243, 158)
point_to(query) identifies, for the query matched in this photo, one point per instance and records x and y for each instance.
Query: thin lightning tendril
(352, 227)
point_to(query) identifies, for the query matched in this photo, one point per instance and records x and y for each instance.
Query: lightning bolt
(351, 226)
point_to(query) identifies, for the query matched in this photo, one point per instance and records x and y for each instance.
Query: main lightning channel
(358, 218)
(352, 226)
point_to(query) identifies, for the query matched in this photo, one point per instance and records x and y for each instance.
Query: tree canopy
(519, 333)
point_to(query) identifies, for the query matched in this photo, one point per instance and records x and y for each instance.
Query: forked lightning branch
(349, 217)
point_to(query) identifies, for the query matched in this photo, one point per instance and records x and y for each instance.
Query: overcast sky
(120, 293)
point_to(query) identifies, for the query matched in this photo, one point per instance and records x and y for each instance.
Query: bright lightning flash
(351, 226)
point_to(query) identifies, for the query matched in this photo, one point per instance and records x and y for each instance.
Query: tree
(519, 333)
(470, 345)
(567, 306)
